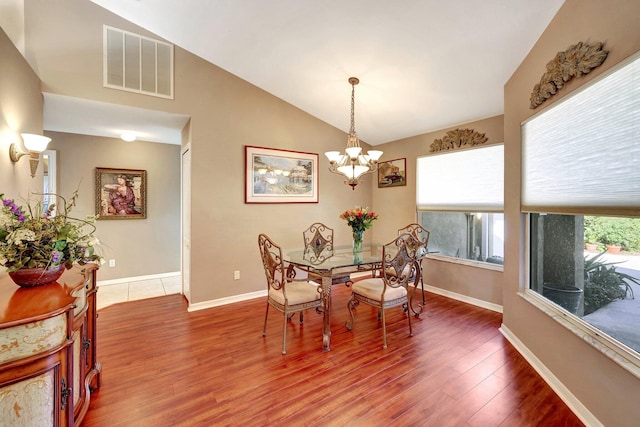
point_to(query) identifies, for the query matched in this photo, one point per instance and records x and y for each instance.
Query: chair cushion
(297, 293)
(392, 272)
(372, 289)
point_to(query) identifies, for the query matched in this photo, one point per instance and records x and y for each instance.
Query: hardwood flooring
(164, 366)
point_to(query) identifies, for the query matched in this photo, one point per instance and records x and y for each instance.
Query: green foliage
(604, 284)
(609, 230)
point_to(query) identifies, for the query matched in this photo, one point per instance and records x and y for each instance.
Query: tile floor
(135, 290)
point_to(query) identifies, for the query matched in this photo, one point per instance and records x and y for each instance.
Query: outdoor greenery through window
(572, 266)
(472, 236)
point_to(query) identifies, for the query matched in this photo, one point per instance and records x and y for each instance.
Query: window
(460, 201)
(581, 184)
(598, 285)
(137, 64)
(472, 236)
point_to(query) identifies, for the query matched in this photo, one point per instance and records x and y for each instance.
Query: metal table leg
(326, 306)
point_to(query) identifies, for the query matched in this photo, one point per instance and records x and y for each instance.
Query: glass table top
(331, 257)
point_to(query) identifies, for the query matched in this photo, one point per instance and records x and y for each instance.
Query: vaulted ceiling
(423, 65)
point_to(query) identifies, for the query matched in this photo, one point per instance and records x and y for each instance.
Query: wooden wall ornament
(458, 138)
(576, 61)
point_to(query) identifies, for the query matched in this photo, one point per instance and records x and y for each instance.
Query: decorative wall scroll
(576, 61)
(458, 138)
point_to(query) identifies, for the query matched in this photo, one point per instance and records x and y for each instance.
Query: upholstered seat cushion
(372, 289)
(297, 293)
(392, 272)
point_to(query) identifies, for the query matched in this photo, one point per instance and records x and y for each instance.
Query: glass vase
(357, 246)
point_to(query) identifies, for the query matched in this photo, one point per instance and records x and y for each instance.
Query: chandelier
(353, 164)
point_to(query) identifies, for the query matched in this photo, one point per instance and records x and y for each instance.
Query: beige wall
(20, 111)
(397, 208)
(607, 390)
(142, 246)
(226, 113)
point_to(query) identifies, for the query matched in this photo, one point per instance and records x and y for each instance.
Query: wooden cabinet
(48, 364)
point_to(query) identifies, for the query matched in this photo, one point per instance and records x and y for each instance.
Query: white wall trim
(136, 278)
(226, 300)
(563, 392)
(610, 347)
(464, 298)
(252, 295)
(244, 297)
(464, 261)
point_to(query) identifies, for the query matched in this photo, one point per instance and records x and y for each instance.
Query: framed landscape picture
(280, 176)
(121, 193)
(392, 173)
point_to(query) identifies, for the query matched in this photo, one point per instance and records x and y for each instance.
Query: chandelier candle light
(353, 164)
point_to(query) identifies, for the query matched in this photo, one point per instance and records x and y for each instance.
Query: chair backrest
(318, 235)
(419, 233)
(271, 255)
(399, 260)
(318, 243)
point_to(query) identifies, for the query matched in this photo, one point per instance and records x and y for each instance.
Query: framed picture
(121, 193)
(392, 173)
(280, 176)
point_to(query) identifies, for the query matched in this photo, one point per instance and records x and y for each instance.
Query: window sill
(614, 350)
(468, 262)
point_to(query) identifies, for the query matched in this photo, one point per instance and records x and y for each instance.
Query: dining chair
(318, 247)
(422, 235)
(389, 290)
(285, 293)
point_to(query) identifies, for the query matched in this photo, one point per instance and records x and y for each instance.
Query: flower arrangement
(359, 219)
(34, 237)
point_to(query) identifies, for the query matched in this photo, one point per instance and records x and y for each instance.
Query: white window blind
(583, 154)
(462, 181)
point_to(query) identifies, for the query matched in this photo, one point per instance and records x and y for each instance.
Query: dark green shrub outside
(609, 230)
(604, 284)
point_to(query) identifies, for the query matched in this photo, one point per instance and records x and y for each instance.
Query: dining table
(330, 262)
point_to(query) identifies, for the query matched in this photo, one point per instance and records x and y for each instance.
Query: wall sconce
(35, 144)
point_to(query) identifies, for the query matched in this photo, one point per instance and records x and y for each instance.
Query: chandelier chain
(353, 103)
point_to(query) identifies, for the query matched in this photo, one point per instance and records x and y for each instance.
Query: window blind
(582, 155)
(462, 181)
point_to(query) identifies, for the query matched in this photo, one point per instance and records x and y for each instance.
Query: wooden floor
(163, 366)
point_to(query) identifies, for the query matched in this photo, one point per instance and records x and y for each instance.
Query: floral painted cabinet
(48, 361)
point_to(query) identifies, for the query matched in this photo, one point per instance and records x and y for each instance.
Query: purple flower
(7, 202)
(55, 257)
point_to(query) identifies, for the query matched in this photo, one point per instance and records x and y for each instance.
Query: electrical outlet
(236, 275)
(112, 263)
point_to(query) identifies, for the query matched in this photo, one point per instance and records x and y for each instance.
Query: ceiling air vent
(137, 64)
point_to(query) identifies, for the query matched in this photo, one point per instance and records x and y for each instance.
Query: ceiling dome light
(128, 136)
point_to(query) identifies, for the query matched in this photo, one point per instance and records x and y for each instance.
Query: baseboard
(136, 278)
(226, 300)
(464, 298)
(251, 295)
(563, 392)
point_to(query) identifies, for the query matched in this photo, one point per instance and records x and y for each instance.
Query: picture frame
(392, 173)
(280, 176)
(121, 193)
